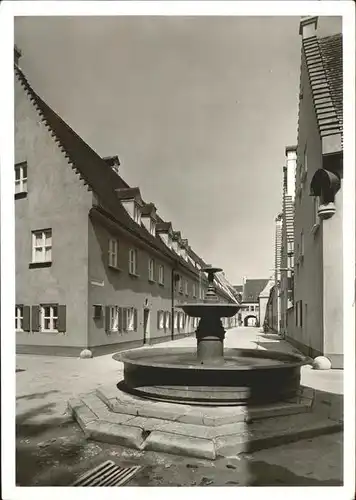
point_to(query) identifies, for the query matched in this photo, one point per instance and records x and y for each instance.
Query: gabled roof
(265, 292)
(252, 289)
(239, 288)
(323, 58)
(95, 172)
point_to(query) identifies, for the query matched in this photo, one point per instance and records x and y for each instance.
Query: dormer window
(132, 202)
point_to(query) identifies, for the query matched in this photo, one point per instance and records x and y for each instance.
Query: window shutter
(301, 312)
(121, 318)
(62, 318)
(124, 319)
(26, 319)
(107, 318)
(35, 316)
(135, 320)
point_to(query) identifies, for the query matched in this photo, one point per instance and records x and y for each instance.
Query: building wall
(333, 285)
(56, 199)
(262, 309)
(308, 274)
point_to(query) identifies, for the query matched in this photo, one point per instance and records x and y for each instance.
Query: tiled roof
(94, 172)
(252, 289)
(323, 58)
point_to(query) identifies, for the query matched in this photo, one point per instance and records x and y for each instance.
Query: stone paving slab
(244, 431)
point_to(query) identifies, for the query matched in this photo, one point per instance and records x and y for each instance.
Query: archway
(250, 320)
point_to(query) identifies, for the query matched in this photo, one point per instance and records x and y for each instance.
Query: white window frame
(130, 319)
(114, 319)
(152, 227)
(21, 182)
(45, 235)
(186, 287)
(19, 318)
(113, 252)
(151, 269)
(161, 274)
(136, 213)
(52, 317)
(166, 320)
(133, 261)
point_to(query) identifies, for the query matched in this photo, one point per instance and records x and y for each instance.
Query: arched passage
(250, 320)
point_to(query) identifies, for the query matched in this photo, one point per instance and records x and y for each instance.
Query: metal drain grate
(107, 474)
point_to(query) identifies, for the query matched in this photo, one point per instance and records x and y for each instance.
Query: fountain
(211, 375)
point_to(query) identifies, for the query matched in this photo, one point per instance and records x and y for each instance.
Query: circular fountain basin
(244, 376)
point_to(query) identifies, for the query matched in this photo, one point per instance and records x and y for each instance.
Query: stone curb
(122, 434)
(259, 441)
(180, 445)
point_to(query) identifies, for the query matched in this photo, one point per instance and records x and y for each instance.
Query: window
(113, 252)
(130, 319)
(133, 261)
(137, 213)
(19, 318)
(161, 275)
(42, 246)
(181, 321)
(302, 244)
(21, 178)
(186, 287)
(151, 270)
(114, 319)
(166, 320)
(49, 318)
(180, 285)
(160, 320)
(194, 290)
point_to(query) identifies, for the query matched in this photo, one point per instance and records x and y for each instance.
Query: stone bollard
(321, 363)
(86, 354)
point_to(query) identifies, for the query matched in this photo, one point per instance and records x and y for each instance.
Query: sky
(199, 111)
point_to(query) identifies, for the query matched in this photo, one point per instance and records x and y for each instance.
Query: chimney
(291, 164)
(308, 26)
(17, 55)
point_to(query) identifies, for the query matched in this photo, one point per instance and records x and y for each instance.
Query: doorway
(146, 325)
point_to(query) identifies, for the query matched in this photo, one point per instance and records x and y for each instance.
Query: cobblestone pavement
(51, 449)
